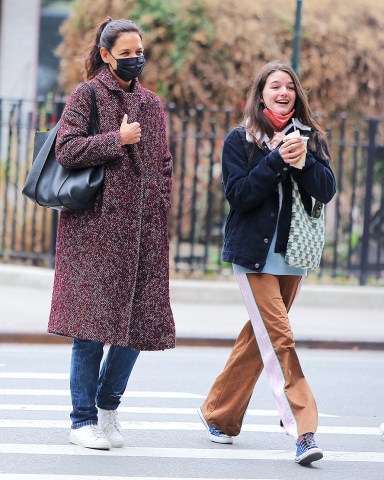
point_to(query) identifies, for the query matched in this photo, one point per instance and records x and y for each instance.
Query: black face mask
(129, 68)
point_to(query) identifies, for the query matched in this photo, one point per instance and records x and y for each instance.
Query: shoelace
(111, 420)
(308, 441)
(215, 431)
(96, 430)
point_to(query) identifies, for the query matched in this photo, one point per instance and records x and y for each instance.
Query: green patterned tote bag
(306, 234)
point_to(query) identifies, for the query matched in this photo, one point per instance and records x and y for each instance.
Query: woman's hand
(291, 150)
(129, 132)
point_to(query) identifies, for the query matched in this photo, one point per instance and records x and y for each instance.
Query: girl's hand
(129, 132)
(277, 138)
(291, 150)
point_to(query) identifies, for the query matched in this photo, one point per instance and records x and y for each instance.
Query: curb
(219, 292)
(324, 300)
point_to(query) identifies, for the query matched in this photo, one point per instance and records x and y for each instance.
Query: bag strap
(94, 127)
(42, 155)
(317, 207)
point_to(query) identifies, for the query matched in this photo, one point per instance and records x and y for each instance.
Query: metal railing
(354, 219)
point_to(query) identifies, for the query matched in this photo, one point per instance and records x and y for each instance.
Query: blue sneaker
(307, 451)
(214, 434)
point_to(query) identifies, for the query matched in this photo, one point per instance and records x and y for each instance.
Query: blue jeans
(91, 386)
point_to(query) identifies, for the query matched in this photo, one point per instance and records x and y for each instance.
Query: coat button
(285, 169)
(257, 265)
(272, 214)
(266, 240)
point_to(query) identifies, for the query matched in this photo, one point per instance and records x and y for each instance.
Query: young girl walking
(258, 163)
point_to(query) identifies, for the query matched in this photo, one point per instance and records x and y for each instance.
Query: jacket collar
(291, 125)
(105, 76)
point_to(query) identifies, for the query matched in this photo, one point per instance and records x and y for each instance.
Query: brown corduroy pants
(268, 299)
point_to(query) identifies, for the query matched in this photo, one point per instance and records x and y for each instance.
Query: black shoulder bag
(51, 185)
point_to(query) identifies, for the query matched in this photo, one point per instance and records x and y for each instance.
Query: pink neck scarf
(278, 120)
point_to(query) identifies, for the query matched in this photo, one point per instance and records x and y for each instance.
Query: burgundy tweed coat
(112, 263)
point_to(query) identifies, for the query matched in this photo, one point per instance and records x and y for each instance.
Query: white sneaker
(89, 436)
(111, 427)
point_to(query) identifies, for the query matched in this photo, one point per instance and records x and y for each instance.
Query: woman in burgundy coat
(112, 264)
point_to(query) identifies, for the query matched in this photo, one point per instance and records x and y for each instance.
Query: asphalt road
(164, 437)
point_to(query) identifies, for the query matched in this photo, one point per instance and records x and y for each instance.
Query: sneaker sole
(312, 455)
(224, 440)
(102, 446)
(116, 443)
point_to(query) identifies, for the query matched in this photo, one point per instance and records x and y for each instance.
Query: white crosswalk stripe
(203, 453)
(65, 393)
(16, 476)
(35, 375)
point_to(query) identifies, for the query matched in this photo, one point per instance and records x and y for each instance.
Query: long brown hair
(256, 123)
(106, 35)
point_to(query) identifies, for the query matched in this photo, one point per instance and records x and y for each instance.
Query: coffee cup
(296, 134)
(300, 164)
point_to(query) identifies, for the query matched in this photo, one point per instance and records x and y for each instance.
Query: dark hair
(257, 124)
(106, 35)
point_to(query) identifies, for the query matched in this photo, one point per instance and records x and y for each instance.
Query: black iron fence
(354, 219)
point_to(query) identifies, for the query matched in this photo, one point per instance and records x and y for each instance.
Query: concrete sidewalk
(209, 312)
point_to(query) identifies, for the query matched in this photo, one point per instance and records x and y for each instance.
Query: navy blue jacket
(251, 188)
